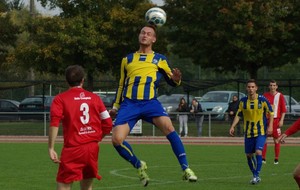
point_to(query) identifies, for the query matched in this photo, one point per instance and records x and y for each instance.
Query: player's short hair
(252, 81)
(74, 75)
(273, 81)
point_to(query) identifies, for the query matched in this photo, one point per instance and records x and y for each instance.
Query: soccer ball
(156, 16)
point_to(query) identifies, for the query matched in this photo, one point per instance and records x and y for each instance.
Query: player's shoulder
(243, 99)
(160, 56)
(262, 97)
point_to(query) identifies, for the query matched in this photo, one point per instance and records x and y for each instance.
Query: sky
(54, 12)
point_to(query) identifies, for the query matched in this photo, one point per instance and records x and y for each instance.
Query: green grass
(26, 166)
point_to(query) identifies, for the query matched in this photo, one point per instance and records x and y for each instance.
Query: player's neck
(252, 97)
(80, 86)
(145, 49)
(273, 92)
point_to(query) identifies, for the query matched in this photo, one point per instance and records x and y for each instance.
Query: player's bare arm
(234, 123)
(53, 131)
(270, 127)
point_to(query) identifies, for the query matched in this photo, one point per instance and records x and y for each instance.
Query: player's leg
(64, 186)
(124, 122)
(259, 144)
(119, 134)
(296, 175)
(249, 146)
(276, 134)
(86, 184)
(125, 151)
(185, 122)
(264, 152)
(165, 125)
(180, 118)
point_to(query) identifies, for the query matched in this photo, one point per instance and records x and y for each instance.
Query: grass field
(26, 166)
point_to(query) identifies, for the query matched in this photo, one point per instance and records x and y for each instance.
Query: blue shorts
(254, 143)
(133, 110)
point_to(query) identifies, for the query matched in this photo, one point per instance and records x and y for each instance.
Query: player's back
(79, 111)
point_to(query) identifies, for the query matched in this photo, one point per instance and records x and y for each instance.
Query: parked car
(35, 104)
(11, 106)
(170, 102)
(107, 98)
(217, 102)
(292, 107)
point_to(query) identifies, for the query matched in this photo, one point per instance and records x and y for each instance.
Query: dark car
(9, 109)
(36, 105)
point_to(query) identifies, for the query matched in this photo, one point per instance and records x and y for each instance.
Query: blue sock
(126, 152)
(178, 149)
(251, 164)
(258, 164)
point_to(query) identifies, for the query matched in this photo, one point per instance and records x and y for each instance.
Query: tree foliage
(94, 34)
(229, 35)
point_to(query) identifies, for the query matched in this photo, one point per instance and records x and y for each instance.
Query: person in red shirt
(291, 130)
(277, 101)
(85, 121)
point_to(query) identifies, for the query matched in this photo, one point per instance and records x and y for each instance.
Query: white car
(292, 106)
(217, 102)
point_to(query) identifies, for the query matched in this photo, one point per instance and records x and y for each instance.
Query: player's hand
(231, 131)
(176, 75)
(270, 131)
(281, 139)
(113, 113)
(53, 156)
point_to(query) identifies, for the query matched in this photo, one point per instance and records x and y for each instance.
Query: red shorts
(78, 163)
(276, 128)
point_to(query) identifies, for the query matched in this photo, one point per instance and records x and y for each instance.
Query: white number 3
(84, 107)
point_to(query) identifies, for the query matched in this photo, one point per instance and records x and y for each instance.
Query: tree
(231, 35)
(94, 34)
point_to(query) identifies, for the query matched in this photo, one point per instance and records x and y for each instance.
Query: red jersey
(278, 103)
(83, 114)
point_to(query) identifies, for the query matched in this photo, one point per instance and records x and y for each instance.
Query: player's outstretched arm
(281, 139)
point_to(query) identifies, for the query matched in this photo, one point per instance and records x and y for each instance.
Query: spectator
(232, 109)
(195, 110)
(183, 117)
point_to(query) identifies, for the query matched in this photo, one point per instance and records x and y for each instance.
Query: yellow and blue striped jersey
(254, 114)
(140, 76)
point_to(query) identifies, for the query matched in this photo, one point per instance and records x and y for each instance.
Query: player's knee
(116, 140)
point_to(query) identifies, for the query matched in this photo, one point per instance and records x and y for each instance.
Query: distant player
(253, 109)
(85, 122)
(290, 131)
(136, 99)
(277, 101)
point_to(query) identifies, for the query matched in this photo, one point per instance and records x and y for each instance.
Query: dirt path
(150, 140)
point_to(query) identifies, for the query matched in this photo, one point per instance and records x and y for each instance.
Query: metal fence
(21, 126)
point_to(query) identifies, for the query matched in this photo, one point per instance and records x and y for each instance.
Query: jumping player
(136, 99)
(253, 109)
(85, 122)
(277, 101)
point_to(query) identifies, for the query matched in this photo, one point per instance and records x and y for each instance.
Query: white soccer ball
(156, 16)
